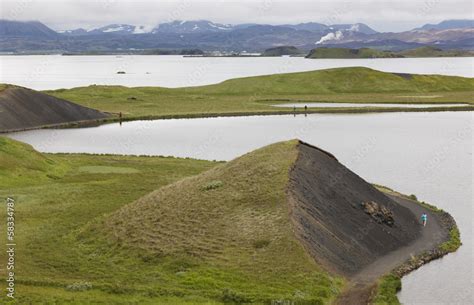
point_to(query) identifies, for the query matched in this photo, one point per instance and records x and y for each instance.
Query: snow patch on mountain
(142, 29)
(114, 29)
(221, 26)
(355, 28)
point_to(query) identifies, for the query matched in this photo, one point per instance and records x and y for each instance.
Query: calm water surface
(427, 154)
(43, 72)
(351, 105)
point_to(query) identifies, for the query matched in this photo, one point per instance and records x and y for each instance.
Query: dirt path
(362, 283)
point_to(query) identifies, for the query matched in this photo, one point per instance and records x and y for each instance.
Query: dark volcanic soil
(352, 228)
(331, 220)
(22, 108)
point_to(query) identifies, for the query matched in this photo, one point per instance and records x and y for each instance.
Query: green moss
(387, 290)
(454, 241)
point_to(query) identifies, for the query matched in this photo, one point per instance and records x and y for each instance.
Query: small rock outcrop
(379, 213)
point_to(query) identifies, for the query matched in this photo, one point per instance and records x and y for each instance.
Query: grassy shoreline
(389, 285)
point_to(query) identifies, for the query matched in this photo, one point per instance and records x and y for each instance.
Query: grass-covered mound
(257, 94)
(64, 259)
(283, 50)
(225, 234)
(285, 213)
(20, 163)
(430, 51)
(340, 80)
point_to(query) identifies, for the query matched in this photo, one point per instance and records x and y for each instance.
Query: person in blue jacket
(424, 218)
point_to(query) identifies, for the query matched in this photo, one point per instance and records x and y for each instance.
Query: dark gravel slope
(327, 209)
(22, 108)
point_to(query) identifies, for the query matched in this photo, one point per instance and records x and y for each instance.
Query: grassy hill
(152, 230)
(350, 53)
(434, 52)
(254, 95)
(263, 227)
(336, 81)
(79, 258)
(19, 162)
(222, 234)
(283, 50)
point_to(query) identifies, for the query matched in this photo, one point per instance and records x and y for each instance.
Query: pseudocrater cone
(286, 210)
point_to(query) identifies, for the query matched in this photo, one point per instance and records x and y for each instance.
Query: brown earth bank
(22, 108)
(352, 228)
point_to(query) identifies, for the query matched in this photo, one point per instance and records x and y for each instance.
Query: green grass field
(254, 95)
(56, 195)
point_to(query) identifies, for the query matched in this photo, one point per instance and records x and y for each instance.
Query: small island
(284, 51)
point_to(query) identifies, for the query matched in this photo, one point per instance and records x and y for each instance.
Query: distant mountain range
(449, 24)
(29, 29)
(30, 37)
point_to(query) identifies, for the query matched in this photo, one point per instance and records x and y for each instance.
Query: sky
(383, 15)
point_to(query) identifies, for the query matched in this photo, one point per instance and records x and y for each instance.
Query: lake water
(427, 154)
(42, 72)
(352, 105)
